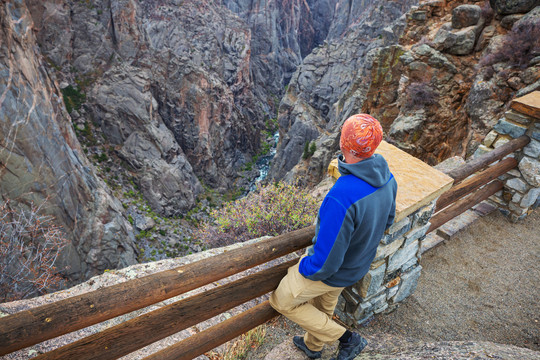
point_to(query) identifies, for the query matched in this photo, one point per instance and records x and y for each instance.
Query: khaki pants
(311, 305)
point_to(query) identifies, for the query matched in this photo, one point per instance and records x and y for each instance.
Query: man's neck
(350, 159)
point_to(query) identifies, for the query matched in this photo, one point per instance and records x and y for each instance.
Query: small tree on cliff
(309, 150)
(29, 247)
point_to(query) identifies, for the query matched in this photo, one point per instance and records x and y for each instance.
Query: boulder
(459, 42)
(419, 15)
(407, 125)
(435, 58)
(508, 21)
(506, 7)
(465, 16)
(143, 223)
(485, 37)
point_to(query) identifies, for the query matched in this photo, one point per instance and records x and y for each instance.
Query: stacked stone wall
(521, 193)
(394, 272)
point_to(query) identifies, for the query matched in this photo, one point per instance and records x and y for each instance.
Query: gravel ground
(482, 285)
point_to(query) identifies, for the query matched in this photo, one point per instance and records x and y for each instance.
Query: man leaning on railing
(351, 222)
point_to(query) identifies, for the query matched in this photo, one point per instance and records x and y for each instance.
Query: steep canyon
(175, 97)
(172, 95)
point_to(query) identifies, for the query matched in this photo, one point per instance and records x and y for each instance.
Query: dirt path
(483, 285)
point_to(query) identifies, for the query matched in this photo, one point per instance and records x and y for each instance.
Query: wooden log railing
(210, 338)
(467, 186)
(35, 325)
(146, 329)
(452, 203)
(481, 162)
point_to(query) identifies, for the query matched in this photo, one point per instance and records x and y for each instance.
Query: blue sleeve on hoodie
(332, 242)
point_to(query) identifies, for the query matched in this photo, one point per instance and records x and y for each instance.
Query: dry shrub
(271, 210)
(240, 348)
(519, 46)
(420, 95)
(29, 247)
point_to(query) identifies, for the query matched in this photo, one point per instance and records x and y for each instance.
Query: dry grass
(239, 349)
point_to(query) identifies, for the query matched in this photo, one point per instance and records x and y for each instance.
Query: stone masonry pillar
(395, 271)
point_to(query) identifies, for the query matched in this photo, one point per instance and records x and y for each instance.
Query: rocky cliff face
(283, 32)
(42, 161)
(437, 92)
(177, 92)
(186, 101)
(454, 76)
(174, 101)
(332, 83)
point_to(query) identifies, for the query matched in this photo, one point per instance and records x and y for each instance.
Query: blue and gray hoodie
(351, 222)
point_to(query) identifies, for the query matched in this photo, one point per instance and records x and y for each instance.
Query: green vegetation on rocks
(272, 210)
(73, 98)
(309, 150)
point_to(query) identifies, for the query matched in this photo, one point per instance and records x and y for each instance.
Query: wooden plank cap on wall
(528, 104)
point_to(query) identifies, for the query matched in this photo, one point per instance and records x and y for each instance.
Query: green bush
(272, 210)
(101, 157)
(312, 148)
(265, 149)
(309, 150)
(73, 98)
(305, 155)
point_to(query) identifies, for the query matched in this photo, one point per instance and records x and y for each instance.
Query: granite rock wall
(41, 160)
(436, 78)
(331, 84)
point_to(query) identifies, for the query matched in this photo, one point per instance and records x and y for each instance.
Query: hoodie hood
(373, 170)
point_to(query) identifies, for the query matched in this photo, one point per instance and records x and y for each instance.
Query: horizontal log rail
(211, 338)
(483, 161)
(449, 205)
(148, 328)
(469, 185)
(463, 205)
(35, 325)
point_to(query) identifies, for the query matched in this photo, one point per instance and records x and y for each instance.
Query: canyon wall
(176, 94)
(41, 160)
(179, 90)
(437, 79)
(331, 84)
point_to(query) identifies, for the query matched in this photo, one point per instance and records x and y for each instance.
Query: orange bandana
(360, 135)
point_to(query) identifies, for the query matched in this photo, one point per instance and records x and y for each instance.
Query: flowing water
(263, 164)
